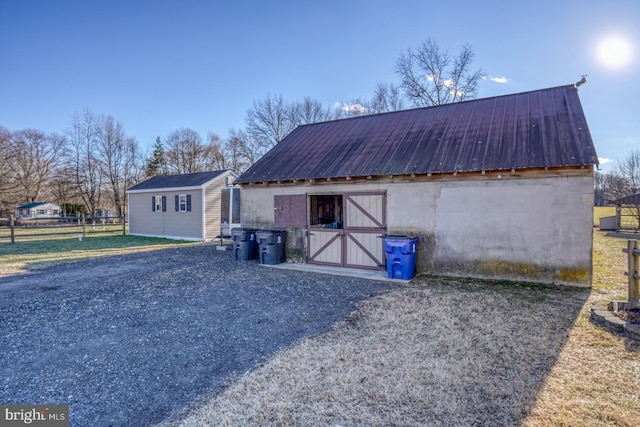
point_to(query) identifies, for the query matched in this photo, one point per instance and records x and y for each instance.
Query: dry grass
(449, 352)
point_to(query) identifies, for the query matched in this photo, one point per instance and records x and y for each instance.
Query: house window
(183, 203)
(41, 212)
(326, 211)
(159, 203)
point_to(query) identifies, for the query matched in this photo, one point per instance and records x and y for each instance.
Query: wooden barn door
(364, 228)
(357, 242)
(325, 247)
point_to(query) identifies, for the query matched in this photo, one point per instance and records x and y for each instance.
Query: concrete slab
(337, 271)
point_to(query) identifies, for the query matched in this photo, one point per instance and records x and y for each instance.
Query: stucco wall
(537, 229)
(532, 228)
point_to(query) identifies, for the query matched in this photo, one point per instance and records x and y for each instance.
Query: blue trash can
(270, 246)
(245, 247)
(401, 256)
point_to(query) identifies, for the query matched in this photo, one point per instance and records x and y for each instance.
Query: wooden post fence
(13, 228)
(633, 273)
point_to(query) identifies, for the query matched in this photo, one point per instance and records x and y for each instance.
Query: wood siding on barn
(326, 247)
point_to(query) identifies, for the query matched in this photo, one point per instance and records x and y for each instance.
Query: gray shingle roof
(542, 128)
(177, 181)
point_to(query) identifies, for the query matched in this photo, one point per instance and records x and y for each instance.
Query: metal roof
(632, 199)
(177, 181)
(542, 128)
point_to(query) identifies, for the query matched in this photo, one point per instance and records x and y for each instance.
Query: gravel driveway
(130, 340)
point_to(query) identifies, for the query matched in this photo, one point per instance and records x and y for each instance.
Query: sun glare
(615, 52)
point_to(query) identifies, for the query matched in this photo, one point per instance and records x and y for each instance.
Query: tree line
(622, 181)
(94, 161)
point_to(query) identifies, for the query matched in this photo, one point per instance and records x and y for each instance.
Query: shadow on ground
(441, 351)
(129, 340)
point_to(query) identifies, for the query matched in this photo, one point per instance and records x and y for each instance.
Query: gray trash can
(244, 244)
(270, 246)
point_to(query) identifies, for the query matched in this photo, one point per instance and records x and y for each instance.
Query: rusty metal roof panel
(543, 128)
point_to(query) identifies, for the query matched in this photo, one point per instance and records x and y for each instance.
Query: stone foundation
(602, 315)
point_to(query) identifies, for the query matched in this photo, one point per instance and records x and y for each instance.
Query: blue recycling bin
(401, 256)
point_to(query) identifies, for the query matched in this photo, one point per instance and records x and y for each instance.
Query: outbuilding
(185, 207)
(498, 187)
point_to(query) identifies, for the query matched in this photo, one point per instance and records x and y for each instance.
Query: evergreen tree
(157, 163)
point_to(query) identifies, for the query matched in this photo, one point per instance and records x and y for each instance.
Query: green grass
(37, 252)
(602, 211)
(628, 220)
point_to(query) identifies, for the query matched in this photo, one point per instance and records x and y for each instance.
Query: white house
(38, 210)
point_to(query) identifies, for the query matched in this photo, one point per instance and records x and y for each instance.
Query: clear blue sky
(156, 66)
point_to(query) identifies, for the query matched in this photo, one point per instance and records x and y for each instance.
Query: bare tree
(185, 151)
(386, 98)
(35, 158)
(112, 153)
(627, 178)
(63, 188)
(8, 184)
(134, 167)
(214, 155)
(629, 169)
(247, 149)
(270, 120)
(85, 163)
(310, 111)
(232, 152)
(431, 76)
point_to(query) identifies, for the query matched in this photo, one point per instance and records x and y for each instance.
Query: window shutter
(290, 211)
(164, 203)
(153, 203)
(188, 202)
(177, 203)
